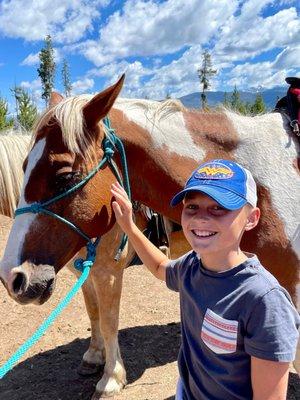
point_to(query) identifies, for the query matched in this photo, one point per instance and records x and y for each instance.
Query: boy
(239, 327)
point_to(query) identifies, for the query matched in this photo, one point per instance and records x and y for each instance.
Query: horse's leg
(95, 355)
(108, 285)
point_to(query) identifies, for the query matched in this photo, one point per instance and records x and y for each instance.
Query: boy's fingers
(116, 208)
(120, 190)
(122, 201)
(121, 198)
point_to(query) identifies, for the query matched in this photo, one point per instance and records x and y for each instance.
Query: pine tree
(237, 104)
(46, 70)
(66, 78)
(204, 74)
(258, 106)
(225, 100)
(5, 122)
(25, 108)
(235, 99)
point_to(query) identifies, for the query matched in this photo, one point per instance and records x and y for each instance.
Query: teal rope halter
(110, 143)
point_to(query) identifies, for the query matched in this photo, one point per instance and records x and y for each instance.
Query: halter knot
(91, 251)
(109, 148)
(81, 264)
(35, 208)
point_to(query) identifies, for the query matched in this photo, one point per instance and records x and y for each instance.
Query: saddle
(155, 231)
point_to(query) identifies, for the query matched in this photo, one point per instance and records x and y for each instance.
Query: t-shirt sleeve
(272, 329)
(173, 272)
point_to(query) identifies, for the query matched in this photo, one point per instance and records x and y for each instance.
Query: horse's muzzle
(31, 285)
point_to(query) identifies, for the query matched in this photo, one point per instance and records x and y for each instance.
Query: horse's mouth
(46, 294)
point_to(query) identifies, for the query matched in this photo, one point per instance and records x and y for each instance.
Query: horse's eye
(66, 180)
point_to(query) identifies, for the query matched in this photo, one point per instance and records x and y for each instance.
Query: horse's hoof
(88, 369)
(107, 388)
(103, 395)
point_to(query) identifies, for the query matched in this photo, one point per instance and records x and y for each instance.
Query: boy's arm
(150, 255)
(269, 379)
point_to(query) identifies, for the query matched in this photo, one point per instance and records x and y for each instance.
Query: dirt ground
(149, 338)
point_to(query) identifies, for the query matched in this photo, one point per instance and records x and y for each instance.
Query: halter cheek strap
(110, 143)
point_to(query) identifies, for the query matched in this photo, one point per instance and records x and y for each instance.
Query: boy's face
(212, 230)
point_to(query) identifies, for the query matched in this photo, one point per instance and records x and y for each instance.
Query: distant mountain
(270, 97)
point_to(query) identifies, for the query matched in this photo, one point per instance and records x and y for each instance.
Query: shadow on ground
(52, 375)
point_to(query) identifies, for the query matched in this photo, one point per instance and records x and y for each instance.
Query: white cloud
(146, 28)
(35, 89)
(136, 38)
(262, 74)
(176, 78)
(66, 21)
(135, 72)
(33, 58)
(154, 29)
(249, 34)
(288, 58)
(82, 85)
(33, 85)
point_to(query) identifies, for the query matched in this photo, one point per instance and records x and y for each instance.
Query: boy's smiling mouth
(203, 234)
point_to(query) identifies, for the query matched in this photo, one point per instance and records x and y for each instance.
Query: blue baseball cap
(227, 182)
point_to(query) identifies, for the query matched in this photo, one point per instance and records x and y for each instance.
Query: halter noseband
(109, 144)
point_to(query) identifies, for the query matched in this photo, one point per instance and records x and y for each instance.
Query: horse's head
(66, 147)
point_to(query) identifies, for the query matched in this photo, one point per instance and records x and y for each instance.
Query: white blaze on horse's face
(22, 224)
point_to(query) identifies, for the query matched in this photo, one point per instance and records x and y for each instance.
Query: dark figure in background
(292, 103)
(293, 99)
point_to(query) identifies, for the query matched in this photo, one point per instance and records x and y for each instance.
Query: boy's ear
(252, 219)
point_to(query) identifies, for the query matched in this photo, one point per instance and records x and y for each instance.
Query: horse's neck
(158, 165)
(164, 146)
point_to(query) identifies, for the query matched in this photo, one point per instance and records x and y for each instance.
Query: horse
(164, 142)
(13, 150)
(106, 276)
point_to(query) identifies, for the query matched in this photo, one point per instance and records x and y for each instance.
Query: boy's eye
(217, 210)
(191, 206)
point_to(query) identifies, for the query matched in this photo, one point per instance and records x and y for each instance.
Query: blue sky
(158, 44)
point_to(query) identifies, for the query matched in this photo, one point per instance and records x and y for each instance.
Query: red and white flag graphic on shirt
(218, 333)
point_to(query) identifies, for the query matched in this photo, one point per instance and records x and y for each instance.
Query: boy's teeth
(203, 233)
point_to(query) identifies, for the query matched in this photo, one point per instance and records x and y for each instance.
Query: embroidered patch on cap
(214, 171)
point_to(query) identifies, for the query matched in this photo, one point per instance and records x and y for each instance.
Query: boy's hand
(122, 207)
(151, 256)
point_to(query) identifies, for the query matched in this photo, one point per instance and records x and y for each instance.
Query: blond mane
(69, 115)
(13, 150)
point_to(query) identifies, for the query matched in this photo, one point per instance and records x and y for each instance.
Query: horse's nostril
(19, 282)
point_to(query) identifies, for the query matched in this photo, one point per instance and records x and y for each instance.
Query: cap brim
(224, 197)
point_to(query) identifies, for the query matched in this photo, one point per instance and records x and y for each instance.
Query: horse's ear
(98, 107)
(55, 98)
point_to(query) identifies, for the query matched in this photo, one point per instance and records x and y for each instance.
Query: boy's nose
(202, 214)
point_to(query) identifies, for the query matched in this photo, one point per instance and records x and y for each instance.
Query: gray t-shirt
(227, 317)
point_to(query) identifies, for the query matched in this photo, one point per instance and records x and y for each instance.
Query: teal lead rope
(110, 143)
(45, 325)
